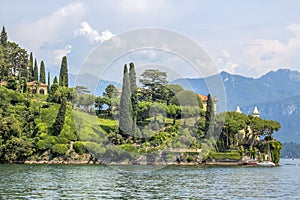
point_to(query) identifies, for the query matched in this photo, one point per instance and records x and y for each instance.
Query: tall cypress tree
(25, 87)
(209, 118)
(2, 64)
(54, 86)
(63, 74)
(60, 118)
(35, 71)
(30, 68)
(42, 73)
(134, 97)
(3, 37)
(125, 118)
(48, 81)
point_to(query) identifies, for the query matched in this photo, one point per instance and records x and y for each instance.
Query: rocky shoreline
(93, 162)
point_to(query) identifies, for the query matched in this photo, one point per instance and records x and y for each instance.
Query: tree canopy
(63, 74)
(153, 81)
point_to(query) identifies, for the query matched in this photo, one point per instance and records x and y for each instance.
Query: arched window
(42, 91)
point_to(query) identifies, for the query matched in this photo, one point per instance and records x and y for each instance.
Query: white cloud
(257, 57)
(49, 28)
(59, 53)
(106, 35)
(264, 55)
(91, 34)
(86, 30)
(48, 37)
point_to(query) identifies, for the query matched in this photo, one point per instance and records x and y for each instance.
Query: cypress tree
(134, 98)
(25, 88)
(125, 118)
(54, 86)
(35, 71)
(63, 74)
(209, 117)
(42, 73)
(2, 64)
(30, 68)
(3, 37)
(60, 118)
(48, 81)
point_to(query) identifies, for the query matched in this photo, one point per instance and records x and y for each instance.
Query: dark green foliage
(186, 98)
(234, 155)
(134, 96)
(53, 87)
(79, 147)
(63, 74)
(42, 73)
(60, 118)
(25, 88)
(12, 84)
(99, 103)
(30, 68)
(153, 82)
(35, 71)
(110, 93)
(48, 79)
(125, 118)
(59, 149)
(16, 61)
(49, 84)
(174, 111)
(3, 37)
(275, 149)
(169, 91)
(16, 127)
(209, 118)
(2, 63)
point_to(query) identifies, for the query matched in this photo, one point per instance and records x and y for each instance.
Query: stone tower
(238, 110)
(255, 112)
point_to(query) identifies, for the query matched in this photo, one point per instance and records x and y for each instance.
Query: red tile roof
(204, 98)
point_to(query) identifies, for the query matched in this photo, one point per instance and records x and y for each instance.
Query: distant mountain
(245, 91)
(286, 111)
(92, 82)
(277, 95)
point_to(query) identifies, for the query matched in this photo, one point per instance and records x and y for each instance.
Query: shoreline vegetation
(155, 123)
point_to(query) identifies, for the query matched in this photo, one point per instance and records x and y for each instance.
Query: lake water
(149, 182)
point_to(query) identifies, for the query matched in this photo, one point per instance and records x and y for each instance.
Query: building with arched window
(35, 87)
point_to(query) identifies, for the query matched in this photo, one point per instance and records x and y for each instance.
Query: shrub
(190, 158)
(46, 143)
(59, 149)
(275, 148)
(233, 155)
(96, 149)
(79, 147)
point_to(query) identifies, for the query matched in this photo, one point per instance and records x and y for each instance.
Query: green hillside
(156, 123)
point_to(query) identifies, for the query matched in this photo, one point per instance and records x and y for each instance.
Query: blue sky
(241, 37)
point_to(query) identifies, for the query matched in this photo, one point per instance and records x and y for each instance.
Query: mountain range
(276, 94)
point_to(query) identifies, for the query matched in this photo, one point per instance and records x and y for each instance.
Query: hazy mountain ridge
(277, 95)
(95, 85)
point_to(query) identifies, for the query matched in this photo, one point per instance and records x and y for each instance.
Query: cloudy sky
(241, 37)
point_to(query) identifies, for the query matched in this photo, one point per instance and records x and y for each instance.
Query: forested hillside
(157, 122)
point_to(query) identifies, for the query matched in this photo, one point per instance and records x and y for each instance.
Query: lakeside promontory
(43, 120)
